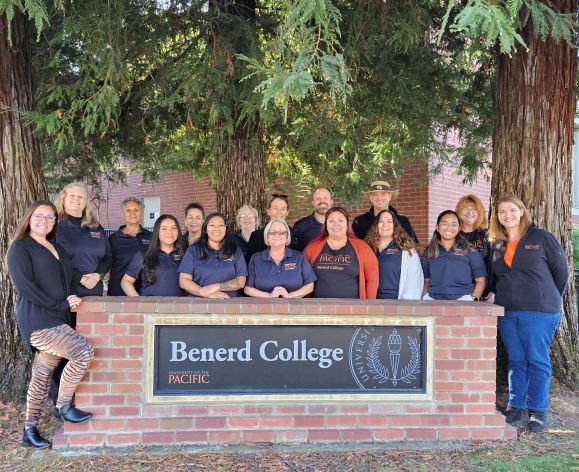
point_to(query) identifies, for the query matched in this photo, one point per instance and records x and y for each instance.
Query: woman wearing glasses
(473, 223)
(453, 269)
(279, 271)
(247, 220)
(42, 273)
(213, 267)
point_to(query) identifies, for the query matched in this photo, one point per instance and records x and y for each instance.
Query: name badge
(290, 266)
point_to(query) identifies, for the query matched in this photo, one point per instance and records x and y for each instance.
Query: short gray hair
(131, 199)
(268, 227)
(252, 210)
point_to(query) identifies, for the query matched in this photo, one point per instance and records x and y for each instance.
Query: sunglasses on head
(281, 196)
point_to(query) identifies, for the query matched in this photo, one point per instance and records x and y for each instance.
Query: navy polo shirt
(124, 247)
(293, 272)
(167, 280)
(389, 264)
(451, 274)
(87, 247)
(211, 270)
(305, 230)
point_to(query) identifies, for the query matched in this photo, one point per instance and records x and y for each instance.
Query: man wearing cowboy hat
(381, 194)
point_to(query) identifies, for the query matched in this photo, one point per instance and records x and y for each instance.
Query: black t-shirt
(338, 272)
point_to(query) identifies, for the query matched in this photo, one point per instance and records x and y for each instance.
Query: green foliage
(34, 9)
(501, 21)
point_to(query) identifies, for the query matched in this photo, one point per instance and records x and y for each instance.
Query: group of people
(60, 253)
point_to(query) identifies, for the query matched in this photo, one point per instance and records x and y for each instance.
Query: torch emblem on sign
(375, 364)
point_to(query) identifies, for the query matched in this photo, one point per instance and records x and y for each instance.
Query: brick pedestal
(462, 404)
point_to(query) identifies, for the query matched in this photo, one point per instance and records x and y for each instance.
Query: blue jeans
(527, 336)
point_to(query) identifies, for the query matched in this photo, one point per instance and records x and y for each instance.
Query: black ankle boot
(71, 414)
(32, 438)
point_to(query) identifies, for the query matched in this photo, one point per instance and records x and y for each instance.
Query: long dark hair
(324, 232)
(23, 228)
(432, 248)
(399, 235)
(151, 257)
(228, 248)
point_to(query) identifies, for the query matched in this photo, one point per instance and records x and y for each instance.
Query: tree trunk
(21, 182)
(532, 155)
(241, 174)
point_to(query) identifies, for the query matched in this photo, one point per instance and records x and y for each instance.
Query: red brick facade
(419, 199)
(462, 404)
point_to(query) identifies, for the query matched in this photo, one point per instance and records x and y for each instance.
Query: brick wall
(462, 406)
(419, 199)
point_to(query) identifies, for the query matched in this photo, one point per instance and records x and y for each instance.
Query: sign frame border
(189, 319)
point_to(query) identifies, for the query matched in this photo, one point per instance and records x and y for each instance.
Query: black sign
(191, 360)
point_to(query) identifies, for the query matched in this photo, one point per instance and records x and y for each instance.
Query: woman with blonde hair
(473, 223)
(84, 239)
(398, 261)
(530, 277)
(279, 271)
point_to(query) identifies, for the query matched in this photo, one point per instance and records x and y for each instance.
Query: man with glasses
(310, 227)
(381, 194)
(278, 207)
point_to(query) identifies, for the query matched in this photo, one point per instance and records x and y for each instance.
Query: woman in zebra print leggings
(42, 274)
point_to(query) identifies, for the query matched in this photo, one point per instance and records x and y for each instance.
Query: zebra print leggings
(54, 344)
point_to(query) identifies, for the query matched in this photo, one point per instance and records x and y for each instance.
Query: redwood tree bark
(534, 108)
(21, 182)
(241, 173)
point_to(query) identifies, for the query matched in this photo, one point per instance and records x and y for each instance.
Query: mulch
(563, 436)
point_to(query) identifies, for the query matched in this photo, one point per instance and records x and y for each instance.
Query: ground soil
(562, 437)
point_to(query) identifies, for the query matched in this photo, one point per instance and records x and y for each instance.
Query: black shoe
(515, 416)
(71, 414)
(32, 438)
(538, 421)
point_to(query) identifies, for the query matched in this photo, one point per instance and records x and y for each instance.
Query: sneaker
(514, 416)
(538, 421)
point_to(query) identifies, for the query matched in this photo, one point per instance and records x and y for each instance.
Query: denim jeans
(527, 336)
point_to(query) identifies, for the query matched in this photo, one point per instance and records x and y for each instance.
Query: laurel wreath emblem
(381, 373)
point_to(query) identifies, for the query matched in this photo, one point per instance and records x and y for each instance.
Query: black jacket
(305, 230)
(538, 277)
(43, 284)
(362, 223)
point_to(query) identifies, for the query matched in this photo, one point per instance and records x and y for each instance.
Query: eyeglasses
(216, 226)
(281, 196)
(277, 233)
(469, 210)
(444, 224)
(39, 217)
(247, 216)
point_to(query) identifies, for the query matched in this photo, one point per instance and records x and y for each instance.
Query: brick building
(420, 199)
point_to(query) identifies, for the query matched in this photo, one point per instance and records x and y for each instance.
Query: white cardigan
(411, 277)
